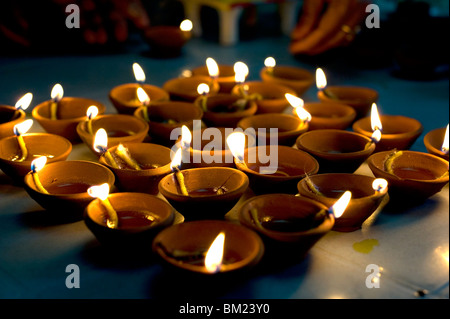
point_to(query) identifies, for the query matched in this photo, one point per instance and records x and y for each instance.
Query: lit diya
(437, 142)
(121, 219)
(360, 98)
(367, 195)
(203, 193)
(209, 247)
(167, 41)
(337, 151)
(165, 117)
(186, 88)
(138, 167)
(17, 152)
(412, 176)
(298, 79)
(398, 132)
(61, 186)
(12, 115)
(290, 225)
(61, 115)
(125, 98)
(223, 74)
(265, 176)
(120, 128)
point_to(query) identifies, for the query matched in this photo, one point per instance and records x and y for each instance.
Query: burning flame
(236, 144)
(303, 114)
(375, 118)
(186, 136)
(321, 79)
(445, 144)
(380, 185)
(186, 25)
(92, 112)
(270, 62)
(142, 96)
(340, 206)
(139, 73)
(376, 136)
(241, 71)
(176, 160)
(57, 92)
(203, 89)
(213, 68)
(38, 163)
(24, 102)
(99, 191)
(23, 127)
(294, 100)
(214, 256)
(101, 140)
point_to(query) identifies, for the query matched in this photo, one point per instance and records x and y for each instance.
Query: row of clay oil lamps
(320, 167)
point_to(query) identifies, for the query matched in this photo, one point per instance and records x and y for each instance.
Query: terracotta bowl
(243, 248)
(203, 202)
(289, 127)
(399, 132)
(292, 166)
(166, 41)
(185, 89)
(38, 144)
(326, 115)
(70, 112)
(141, 218)
(121, 128)
(433, 141)
(416, 176)
(124, 96)
(337, 151)
(67, 183)
(226, 78)
(273, 96)
(220, 113)
(286, 224)
(182, 113)
(296, 78)
(360, 98)
(146, 155)
(9, 117)
(365, 200)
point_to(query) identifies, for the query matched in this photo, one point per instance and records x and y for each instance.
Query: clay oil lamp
(298, 79)
(165, 117)
(266, 177)
(289, 225)
(412, 176)
(124, 97)
(329, 115)
(337, 151)
(368, 193)
(12, 115)
(209, 247)
(223, 74)
(17, 152)
(280, 128)
(186, 88)
(61, 187)
(139, 166)
(225, 110)
(61, 115)
(360, 98)
(436, 142)
(124, 219)
(269, 97)
(398, 132)
(120, 128)
(167, 41)
(203, 193)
